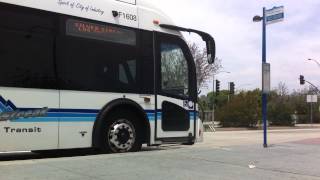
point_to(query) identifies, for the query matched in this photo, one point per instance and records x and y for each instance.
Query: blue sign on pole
(275, 15)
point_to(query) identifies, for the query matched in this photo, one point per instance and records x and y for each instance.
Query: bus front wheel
(121, 133)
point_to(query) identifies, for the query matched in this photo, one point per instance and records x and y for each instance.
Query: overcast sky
(289, 43)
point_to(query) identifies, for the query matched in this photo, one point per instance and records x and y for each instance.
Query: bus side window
(26, 48)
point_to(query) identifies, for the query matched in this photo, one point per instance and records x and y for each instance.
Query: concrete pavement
(233, 138)
(294, 154)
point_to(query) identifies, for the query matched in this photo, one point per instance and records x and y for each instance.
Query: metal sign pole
(264, 94)
(312, 99)
(270, 16)
(311, 113)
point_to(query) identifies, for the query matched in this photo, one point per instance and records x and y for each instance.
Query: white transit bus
(105, 74)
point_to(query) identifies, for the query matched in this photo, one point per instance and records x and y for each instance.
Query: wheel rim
(121, 136)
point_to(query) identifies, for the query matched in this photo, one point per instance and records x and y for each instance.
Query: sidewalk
(297, 126)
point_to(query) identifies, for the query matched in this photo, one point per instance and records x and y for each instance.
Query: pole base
(265, 145)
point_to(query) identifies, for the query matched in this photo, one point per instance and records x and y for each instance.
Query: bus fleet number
(126, 16)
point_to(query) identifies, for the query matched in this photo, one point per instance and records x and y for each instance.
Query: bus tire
(121, 132)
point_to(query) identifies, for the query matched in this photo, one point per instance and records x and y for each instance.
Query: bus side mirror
(211, 50)
(210, 59)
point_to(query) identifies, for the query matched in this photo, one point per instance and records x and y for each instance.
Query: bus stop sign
(275, 15)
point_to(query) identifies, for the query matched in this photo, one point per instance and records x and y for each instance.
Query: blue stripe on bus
(76, 115)
(65, 110)
(45, 119)
(48, 119)
(72, 114)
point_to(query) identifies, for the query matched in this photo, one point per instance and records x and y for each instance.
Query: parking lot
(292, 154)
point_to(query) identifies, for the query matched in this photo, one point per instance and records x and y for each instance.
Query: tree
(302, 108)
(282, 89)
(204, 103)
(243, 110)
(204, 70)
(281, 106)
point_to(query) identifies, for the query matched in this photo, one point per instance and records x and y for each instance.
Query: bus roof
(148, 13)
(131, 13)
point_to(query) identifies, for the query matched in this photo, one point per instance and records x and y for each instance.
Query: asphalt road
(293, 154)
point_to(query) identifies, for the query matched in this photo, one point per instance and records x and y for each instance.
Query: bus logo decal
(6, 106)
(8, 111)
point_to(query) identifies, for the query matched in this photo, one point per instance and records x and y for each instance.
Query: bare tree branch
(204, 70)
(282, 89)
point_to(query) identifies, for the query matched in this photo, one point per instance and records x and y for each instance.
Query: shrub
(279, 113)
(243, 110)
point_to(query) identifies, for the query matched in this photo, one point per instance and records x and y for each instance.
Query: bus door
(175, 89)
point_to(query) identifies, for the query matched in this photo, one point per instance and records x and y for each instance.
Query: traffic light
(302, 80)
(217, 87)
(232, 88)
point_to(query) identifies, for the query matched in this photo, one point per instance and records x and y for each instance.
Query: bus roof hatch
(210, 42)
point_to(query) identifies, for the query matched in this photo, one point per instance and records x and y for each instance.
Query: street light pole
(314, 61)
